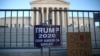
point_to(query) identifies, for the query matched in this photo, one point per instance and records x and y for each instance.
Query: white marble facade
(45, 6)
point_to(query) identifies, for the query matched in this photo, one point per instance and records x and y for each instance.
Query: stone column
(63, 19)
(47, 12)
(37, 17)
(58, 17)
(42, 15)
(53, 18)
(32, 18)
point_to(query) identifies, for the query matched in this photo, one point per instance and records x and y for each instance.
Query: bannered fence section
(17, 26)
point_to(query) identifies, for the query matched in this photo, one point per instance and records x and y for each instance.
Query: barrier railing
(16, 26)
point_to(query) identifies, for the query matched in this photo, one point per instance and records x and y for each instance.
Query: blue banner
(47, 36)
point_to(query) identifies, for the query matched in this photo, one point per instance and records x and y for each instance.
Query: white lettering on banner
(39, 30)
(47, 30)
(51, 30)
(49, 40)
(57, 29)
(46, 44)
(47, 35)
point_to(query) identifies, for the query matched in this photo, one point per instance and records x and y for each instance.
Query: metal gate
(16, 26)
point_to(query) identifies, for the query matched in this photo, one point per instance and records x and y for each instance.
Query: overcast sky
(74, 4)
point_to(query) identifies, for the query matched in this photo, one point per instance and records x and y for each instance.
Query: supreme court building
(45, 6)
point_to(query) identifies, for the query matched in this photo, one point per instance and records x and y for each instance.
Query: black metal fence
(16, 26)
(16, 30)
(78, 21)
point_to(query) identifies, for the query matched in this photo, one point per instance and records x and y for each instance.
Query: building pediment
(49, 2)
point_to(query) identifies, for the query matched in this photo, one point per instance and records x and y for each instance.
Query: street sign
(79, 44)
(46, 36)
